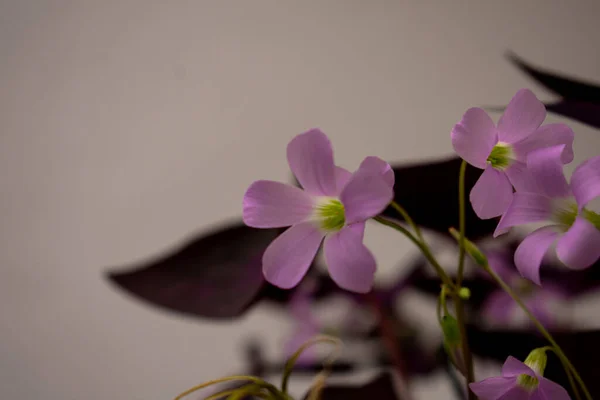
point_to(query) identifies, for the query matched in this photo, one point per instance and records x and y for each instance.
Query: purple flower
(306, 325)
(575, 228)
(501, 151)
(520, 381)
(333, 207)
(500, 307)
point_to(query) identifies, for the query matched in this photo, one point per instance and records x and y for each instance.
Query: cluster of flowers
(519, 152)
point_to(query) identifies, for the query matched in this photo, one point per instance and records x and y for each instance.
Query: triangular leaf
(562, 85)
(587, 113)
(216, 275)
(429, 193)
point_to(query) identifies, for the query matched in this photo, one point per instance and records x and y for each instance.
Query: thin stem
(571, 381)
(408, 219)
(458, 302)
(461, 222)
(289, 365)
(459, 308)
(422, 246)
(556, 348)
(220, 380)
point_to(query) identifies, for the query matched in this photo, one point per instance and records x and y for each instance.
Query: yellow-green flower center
(566, 212)
(528, 382)
(330, 214)
(592, 217)
(501, 156)
(536, 360)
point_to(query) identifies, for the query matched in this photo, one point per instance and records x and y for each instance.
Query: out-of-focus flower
(501, 308)
(521, 381)
(306, 325)
(501, 151)
(575, 228)
(345, 319)
(333, 206)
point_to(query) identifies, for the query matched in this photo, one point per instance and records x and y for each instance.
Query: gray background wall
(126, 126)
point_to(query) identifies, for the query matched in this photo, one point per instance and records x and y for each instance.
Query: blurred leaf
(429, 193)
(580, 347)
(587, 113)
(381, 388)
(580, 100)
(561, 85)
(216, 275)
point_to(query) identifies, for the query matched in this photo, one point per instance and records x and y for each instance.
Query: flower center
(565, 212)
(592, 217)
(536, 360)
(501, 156)
(528, 382)
(330, 214)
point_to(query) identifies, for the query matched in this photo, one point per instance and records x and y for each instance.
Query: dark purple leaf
(580, 347)
(587, 113)
(216, 275)
(429, 192)
(381, 388)
(562, 85)
(580, 100)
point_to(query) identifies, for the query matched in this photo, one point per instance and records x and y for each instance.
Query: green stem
(556, 348)
(458, 302)
(422, 246)
(459, 308)
(459, 305)
(461, 222)
(408, 219)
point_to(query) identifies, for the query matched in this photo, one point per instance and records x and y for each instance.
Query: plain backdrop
(128, 125)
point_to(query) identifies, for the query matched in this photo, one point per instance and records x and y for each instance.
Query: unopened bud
(464, 293)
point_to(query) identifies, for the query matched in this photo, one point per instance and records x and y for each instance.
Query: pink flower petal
(342, 176)
(492, 388)
(520, 177)
(366, 195)
(287, 259)
(350, 264)
(269, 204)
(585, 181)
(310, 157)
(525, 208)
(499, 307)
(547, 136)
(516, 393)
(474, 137)
(491, 195)
(551, 390)
(377, 165)
(579, 247)
(359, 229)
(546, 168)
(523, 115)
(513, 367)
(531, 251)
